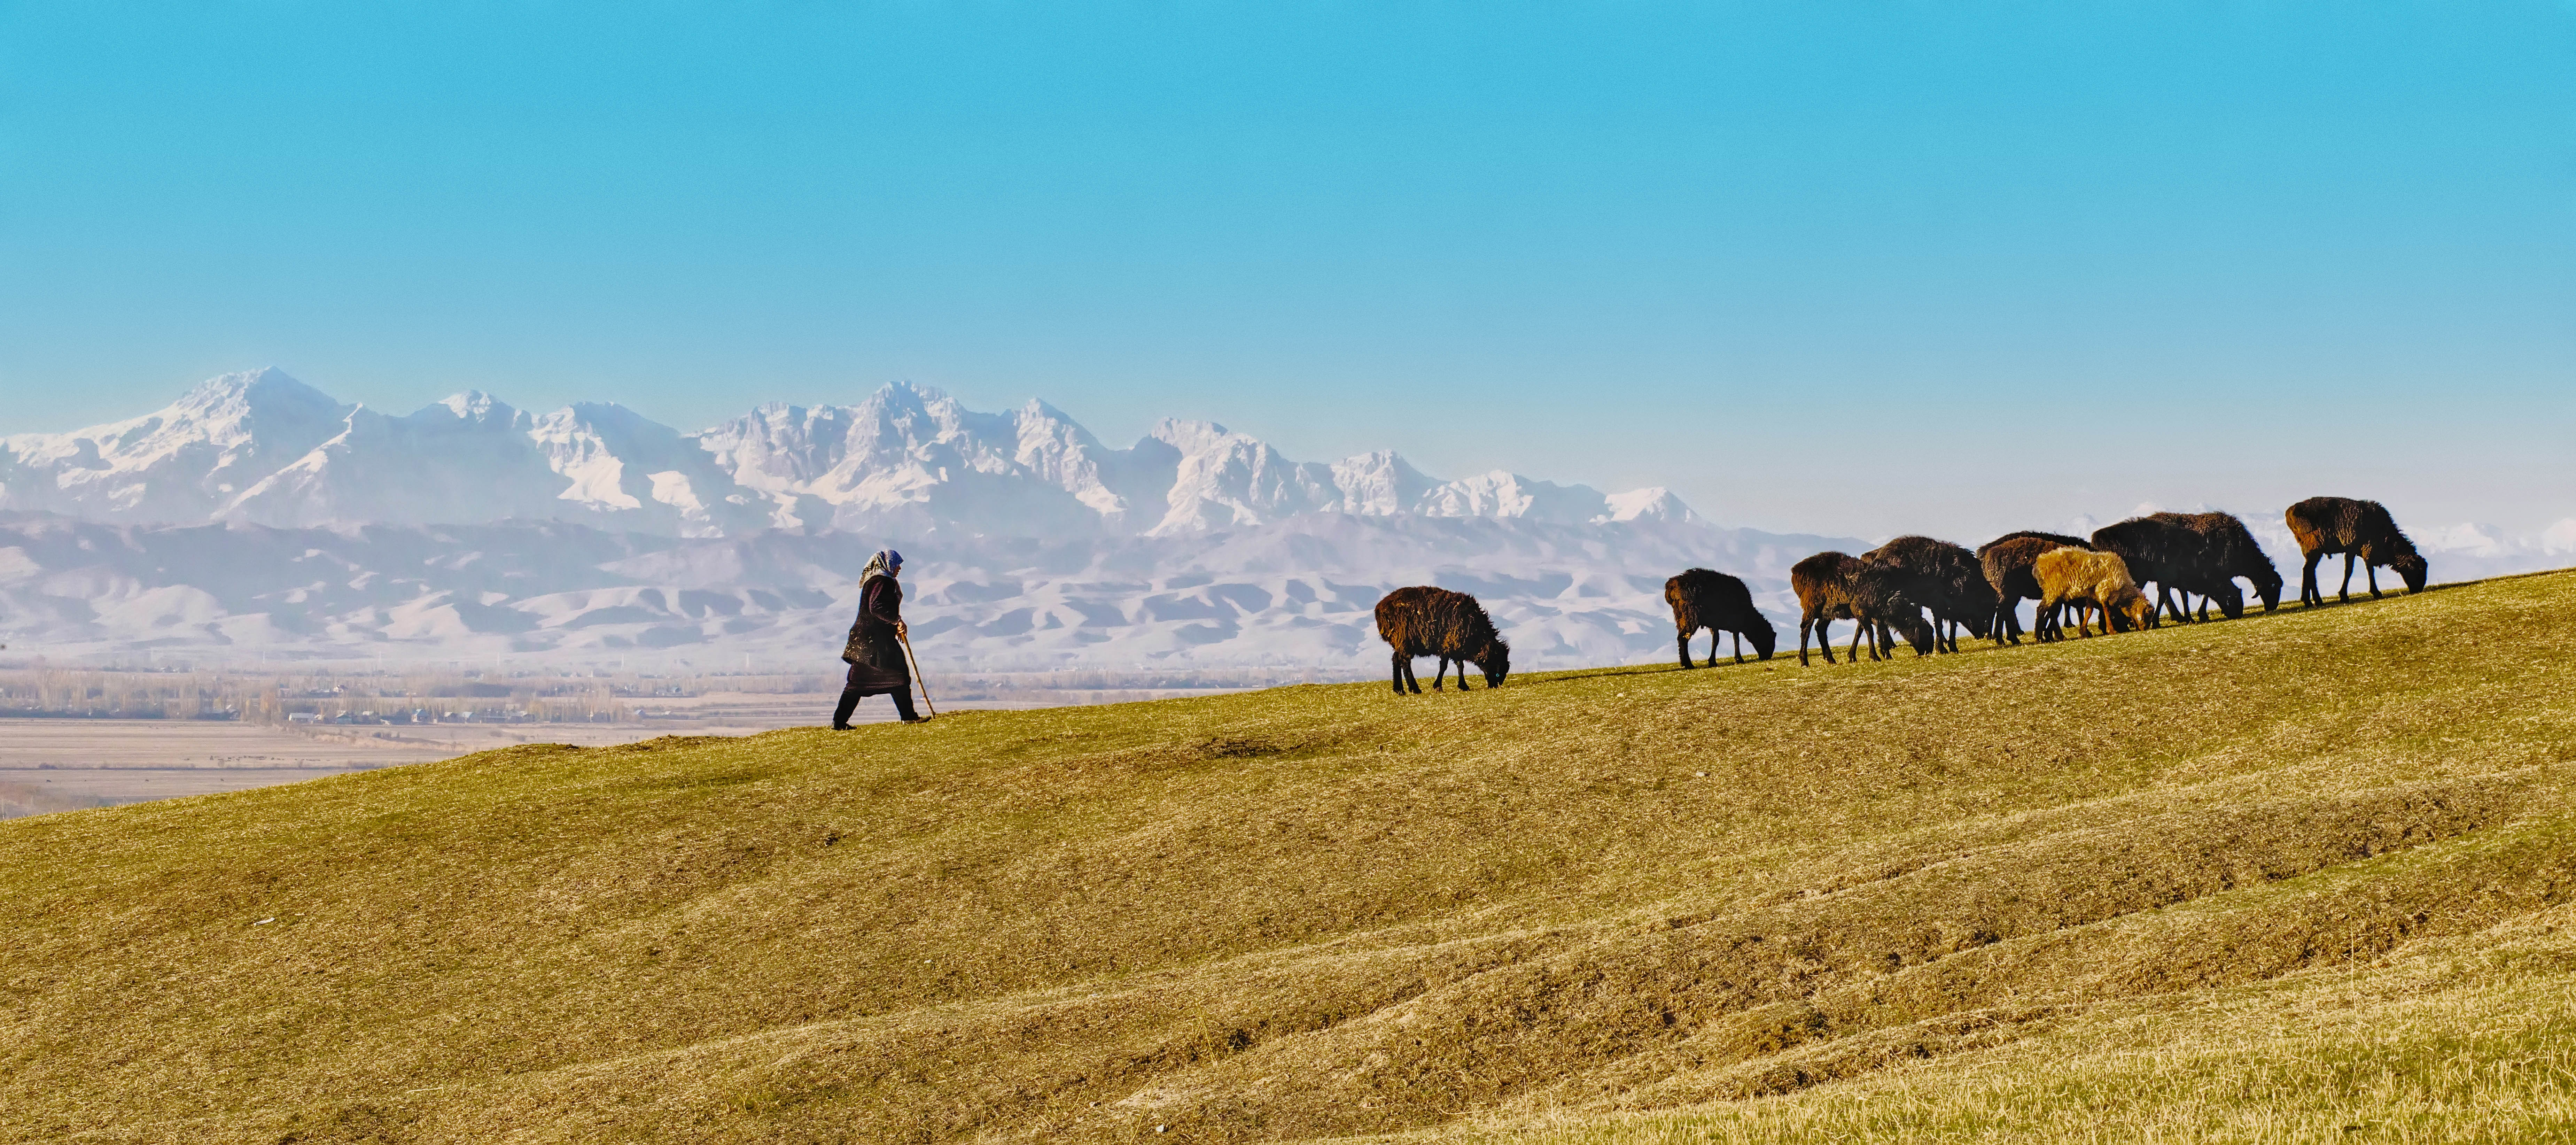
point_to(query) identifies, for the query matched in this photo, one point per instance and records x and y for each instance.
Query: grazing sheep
(2075, 578)
(2221, 550)
(2006, 563)
(1944, 578)
(2329, 525)
(1720, 603)
(2156, 550)
(1426, 621)
(1838, 586)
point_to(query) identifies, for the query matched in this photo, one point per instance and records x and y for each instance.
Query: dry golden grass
(2258, 880)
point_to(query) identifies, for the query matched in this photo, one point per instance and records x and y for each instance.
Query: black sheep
(1426, 621)
(2221, 549)
(1944, 578)
(1720, 603)
(2329, 525)
(2155, 550)
(1839, 586)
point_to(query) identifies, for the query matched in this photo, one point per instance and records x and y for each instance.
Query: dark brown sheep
(1426, 621)
(1839, 586)
(1944, 578)
(1721, 604)
(2329, 525)
(2221, 549)
(2006, 561)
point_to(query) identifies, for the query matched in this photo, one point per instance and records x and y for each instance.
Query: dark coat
(876, 657)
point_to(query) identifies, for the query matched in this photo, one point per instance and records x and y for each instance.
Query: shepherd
(875, 650)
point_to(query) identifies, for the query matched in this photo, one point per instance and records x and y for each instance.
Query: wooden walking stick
(916, 675)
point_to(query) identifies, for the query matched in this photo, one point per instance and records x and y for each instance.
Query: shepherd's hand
(901, 632)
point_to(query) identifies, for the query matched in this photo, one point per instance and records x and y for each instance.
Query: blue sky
(1852, 268)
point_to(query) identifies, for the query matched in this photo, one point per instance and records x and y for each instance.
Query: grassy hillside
(2299, 877)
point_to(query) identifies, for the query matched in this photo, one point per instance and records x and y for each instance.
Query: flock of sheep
(1892, 590)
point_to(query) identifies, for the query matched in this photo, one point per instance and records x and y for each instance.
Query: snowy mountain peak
(179, 463)
(473, 405)
(1655, 503)
(1379, 484)
(251, 390)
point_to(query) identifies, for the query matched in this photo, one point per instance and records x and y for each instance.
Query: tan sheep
(2084, 579)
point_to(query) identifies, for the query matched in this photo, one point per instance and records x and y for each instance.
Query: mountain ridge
(265, 448)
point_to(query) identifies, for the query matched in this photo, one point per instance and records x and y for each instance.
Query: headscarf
(882, 564)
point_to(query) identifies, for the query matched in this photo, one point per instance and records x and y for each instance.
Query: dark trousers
(850, 702)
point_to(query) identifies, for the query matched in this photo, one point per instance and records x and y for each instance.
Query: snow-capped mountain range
(259, 514)
(264, 448)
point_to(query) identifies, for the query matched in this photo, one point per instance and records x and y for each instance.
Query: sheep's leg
(1712, 647)
(2309, 597)
(1411, 680)
(2372, 571)
(1440, 675)
(1684, 641)
(1857, 634)
(1462, 675)
(1806, 624)
(1397, 670)
(2344, 595)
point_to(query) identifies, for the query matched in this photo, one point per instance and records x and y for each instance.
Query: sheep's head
(1917, 633)
(1979, 623)
(2268, 586)
(1764, 639)
(2410, 564)
(1496, 663)
(2142, 611)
